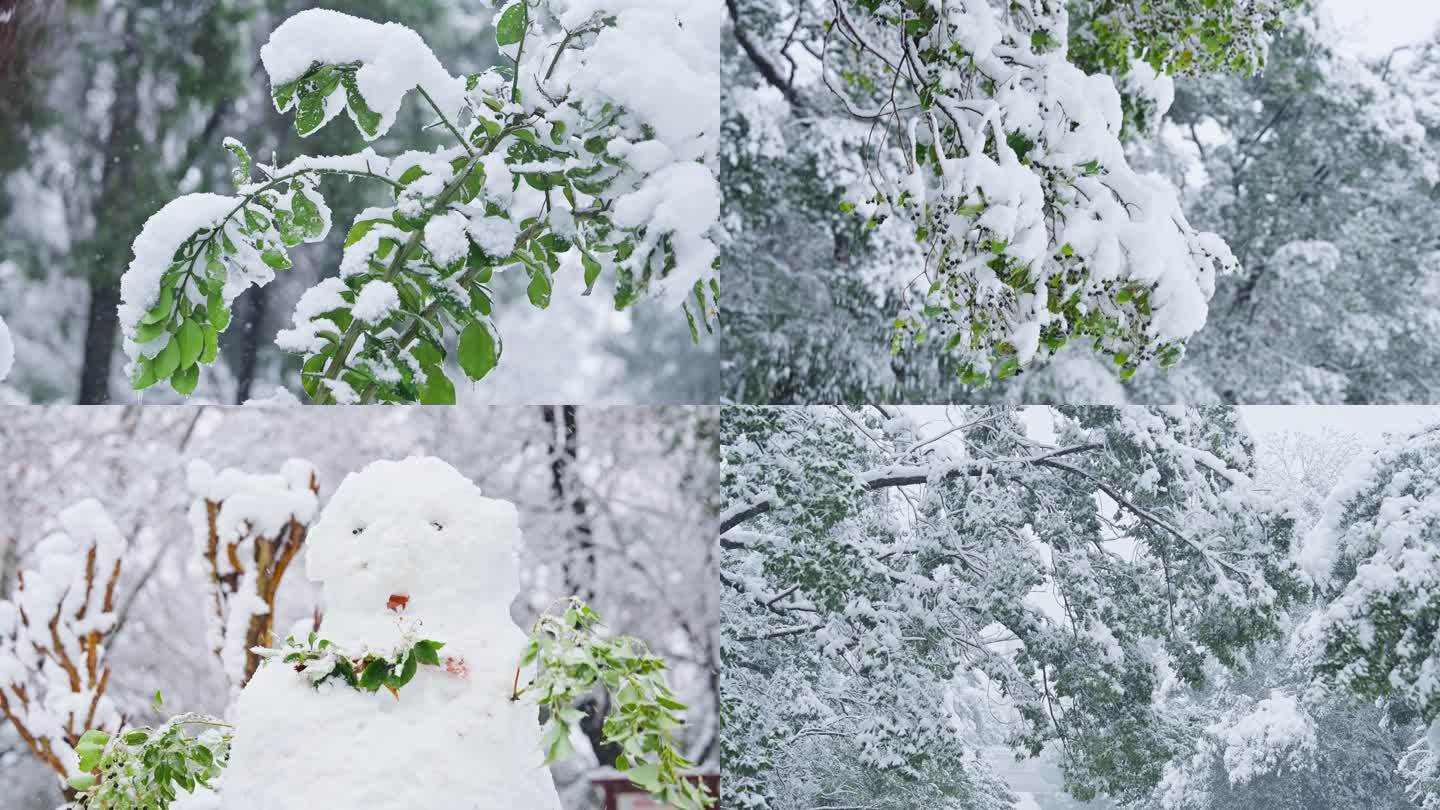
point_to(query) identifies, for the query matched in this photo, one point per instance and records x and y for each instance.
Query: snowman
(403, 548)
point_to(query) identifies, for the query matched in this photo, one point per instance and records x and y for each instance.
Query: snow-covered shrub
(145, 768)
(248, 528)
(53, 673)
(591, 153)
(573, 654)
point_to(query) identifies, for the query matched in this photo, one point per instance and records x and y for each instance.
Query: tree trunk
(116, 183)
(101, 323)
(257, 304)
(579, 556)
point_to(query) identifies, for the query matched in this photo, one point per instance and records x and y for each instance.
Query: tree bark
(579, 561)
(117, 179)
(258, 303)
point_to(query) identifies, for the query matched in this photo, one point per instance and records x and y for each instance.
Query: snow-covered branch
(248, 528)
(53, 673)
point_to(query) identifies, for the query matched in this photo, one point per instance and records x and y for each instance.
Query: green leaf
(407, 671)
(479, 350)
(84, 781)
(284, 95)
(185, 379)
(168, 360)
(216, 312)
(212, 346)
(438, 388)
(276, 259)
(359, 229)
(511, 27)
(146, 332)
(307, 216)
(539, 289)
(555, 742)
(310, 114)
(240, 175)
(192, 342)
(144, 374)
(646, 775)
(162, 308)
(592, 273)
(374, 675)
(427, 652)
(366, 119)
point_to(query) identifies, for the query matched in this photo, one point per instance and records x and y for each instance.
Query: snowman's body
(454, 739)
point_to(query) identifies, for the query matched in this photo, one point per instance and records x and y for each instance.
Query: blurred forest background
(616, 505)
(1320, 172)
(111, 108)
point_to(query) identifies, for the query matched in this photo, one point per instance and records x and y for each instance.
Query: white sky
(1367, 423)
(1374, 27)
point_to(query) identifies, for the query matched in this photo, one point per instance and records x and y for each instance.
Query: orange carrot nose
(398, 601)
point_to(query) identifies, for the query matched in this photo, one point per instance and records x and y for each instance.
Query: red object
(456, 666)
(622, 794)
(398, 601)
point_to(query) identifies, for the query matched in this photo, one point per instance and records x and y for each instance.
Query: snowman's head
(415, 533)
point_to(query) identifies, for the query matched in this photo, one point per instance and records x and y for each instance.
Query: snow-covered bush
(53, 673)
(146, 768)
(592, 152)
(248, 528)
(573, 654)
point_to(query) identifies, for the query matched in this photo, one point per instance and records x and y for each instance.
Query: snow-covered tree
(1322, 176)
(570, 159)
(1375, 554)
(1267, 738)
(248, 528)
(54, 633)
(1002, 218)
(1318, 169)
(891, 562)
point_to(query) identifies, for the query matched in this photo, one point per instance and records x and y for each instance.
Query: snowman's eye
(437, 526)
(357, 530)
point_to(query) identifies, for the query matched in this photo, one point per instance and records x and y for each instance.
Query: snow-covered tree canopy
(54, 633)
(1377, 551)
(574, 158)
(883, 577)
(1004, 161)
(1317, 169)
